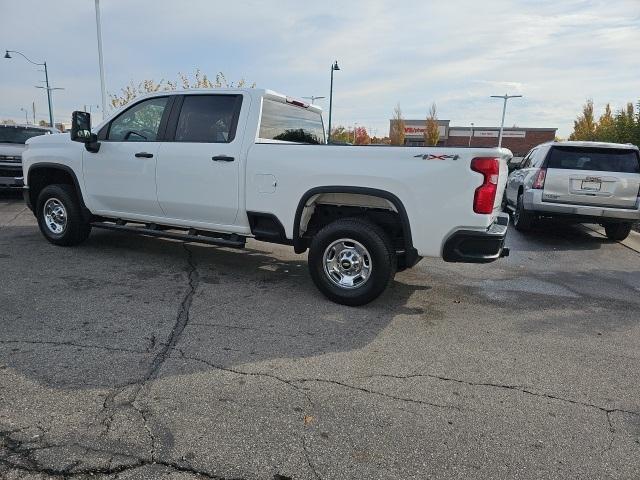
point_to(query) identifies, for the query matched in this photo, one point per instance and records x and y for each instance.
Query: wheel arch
(299, 243)
(42, 174)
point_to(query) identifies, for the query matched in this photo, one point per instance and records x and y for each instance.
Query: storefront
(517, 139)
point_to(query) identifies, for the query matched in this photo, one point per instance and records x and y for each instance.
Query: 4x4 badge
(428, 156)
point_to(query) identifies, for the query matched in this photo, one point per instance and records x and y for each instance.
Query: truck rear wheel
(617, 231)
(351, 261)
(59, 216)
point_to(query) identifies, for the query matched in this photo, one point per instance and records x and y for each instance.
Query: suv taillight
(538, 182)
(485, 195)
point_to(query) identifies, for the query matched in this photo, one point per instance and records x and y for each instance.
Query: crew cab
(221, 166)
(578, 182)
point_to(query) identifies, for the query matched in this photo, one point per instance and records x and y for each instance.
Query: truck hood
(11, 148)
(55, 138)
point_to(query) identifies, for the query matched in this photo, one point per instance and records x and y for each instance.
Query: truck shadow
(101, 314)
(554, 235)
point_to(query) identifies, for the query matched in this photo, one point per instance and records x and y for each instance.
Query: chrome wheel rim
(55, 216)
(347, 263)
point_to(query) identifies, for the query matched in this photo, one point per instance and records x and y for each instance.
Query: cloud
(556, 54)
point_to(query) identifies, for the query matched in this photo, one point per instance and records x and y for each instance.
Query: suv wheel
(59, 216)
(522, 219)
(351, 261)
(617, 231)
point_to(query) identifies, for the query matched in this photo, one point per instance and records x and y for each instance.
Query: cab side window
(526, 161)
(208, 118)
(140, 123)
(538, 158)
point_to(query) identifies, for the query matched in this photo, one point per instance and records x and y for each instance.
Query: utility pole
(33, 108)
(334, 67)
(505, 97)
(103, 89)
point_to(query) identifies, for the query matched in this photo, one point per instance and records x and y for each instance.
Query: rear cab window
(288, 122)
(622, 160)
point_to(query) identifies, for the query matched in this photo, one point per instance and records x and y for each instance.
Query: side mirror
(81, 127)
(81, 130)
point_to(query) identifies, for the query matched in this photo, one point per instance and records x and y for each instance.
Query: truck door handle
(222, 158)
(144, 155)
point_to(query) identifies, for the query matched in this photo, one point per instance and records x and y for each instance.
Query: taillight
(538, 182)
(485, 195)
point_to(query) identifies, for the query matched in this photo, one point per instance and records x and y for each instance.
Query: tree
(380, 140)
(362, 136)
(340, 134)
(200, 80)
(432, 133)
(397, 127)
(605, 129)
(584, 128)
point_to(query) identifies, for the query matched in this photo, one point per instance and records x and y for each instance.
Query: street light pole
(313, 98)
(103, 90)
(46, 77)
(505, 97)
(471, 134)
(334, 67)
(26, 117)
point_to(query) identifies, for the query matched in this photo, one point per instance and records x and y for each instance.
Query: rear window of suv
(596, 159)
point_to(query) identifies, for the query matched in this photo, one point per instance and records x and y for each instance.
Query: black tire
(617, 231)
(522, 219)
(378, 252)
(74, 229)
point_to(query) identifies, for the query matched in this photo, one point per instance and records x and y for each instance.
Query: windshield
(597, 159)
(289, 123)
(19, 134)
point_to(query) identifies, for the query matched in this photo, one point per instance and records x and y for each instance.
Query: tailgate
(605, 177)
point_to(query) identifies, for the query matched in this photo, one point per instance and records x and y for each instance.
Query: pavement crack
(376, 392)
(307, 456)
(518, 388)
(289, 383)
(70, 344)
(15, 455)
(14, 218)
(181, 319)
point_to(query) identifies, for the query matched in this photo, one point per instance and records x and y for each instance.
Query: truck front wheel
(351, 261)
(59, 216)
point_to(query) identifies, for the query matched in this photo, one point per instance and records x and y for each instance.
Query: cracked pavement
(138, 358)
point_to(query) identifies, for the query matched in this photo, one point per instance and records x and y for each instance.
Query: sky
(455, 53)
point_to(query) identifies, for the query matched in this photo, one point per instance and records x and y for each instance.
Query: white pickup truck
(220, 166)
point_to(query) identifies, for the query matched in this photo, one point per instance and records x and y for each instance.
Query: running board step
(234, 241)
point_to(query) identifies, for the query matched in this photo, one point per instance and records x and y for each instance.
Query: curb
(632, 242)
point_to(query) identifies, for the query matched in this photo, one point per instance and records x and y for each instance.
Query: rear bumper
(532, 200)
(478, 246)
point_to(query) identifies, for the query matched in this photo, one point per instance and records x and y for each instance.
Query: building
(517, 139)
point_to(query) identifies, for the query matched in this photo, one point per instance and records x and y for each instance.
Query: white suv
(584, 182)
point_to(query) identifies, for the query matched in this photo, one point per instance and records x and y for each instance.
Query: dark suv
(12, 140)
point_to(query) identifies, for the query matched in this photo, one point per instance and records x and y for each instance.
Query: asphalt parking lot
(130, 357)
